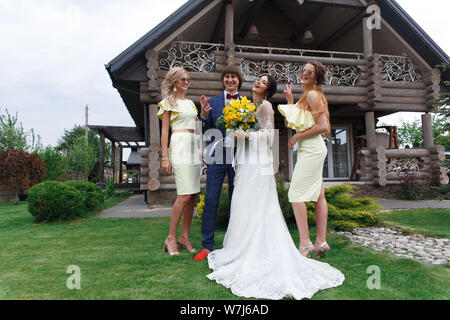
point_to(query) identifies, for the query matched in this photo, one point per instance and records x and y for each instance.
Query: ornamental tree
(20, 170)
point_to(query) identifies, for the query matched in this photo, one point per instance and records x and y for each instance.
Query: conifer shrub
(344, 212)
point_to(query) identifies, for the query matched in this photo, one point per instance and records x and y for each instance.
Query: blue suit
(215, 173)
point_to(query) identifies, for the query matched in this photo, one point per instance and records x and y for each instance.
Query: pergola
(120, 137)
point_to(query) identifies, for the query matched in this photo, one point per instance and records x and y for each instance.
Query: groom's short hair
(234, 70)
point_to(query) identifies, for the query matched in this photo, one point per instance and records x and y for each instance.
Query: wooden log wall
(373, 165)
(371, 94)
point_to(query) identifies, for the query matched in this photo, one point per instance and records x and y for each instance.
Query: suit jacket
(217, 104)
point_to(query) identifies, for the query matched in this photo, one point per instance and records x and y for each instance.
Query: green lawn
(124, 259)
(428, 222)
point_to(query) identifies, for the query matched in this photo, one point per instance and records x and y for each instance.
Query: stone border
(426, 250)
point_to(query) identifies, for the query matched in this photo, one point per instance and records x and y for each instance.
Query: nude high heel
(170, 252)
(186, 244)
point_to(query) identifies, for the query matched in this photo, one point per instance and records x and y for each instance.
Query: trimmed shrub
(51, 201)
(92, 194)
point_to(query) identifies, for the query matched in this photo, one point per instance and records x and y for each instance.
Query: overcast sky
(53, 52)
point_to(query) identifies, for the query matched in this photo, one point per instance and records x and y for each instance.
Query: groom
(217, 168)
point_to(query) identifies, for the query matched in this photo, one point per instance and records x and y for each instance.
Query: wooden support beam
(101, 164)
(113, 160)
(229, 23)
(427, 131)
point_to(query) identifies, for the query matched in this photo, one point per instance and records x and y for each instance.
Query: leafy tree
(82, 157)
(20, 170)
(410, 134)
(68, 140)
(56, 164)
(14, 137)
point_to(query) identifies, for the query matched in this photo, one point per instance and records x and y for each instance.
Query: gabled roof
(402, 22)
(158, 33)
(391, 11)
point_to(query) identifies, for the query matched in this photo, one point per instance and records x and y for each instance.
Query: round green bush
(343, 225)
(92, 194)
(51, 201)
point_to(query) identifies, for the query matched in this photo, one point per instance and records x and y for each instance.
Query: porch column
(120, 164)
(371, 137)
(427, 131)
(367, 39)
(113, 160)
(101, 167)
(229, 33)
(229, 23)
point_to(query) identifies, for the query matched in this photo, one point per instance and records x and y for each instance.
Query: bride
(259, 258)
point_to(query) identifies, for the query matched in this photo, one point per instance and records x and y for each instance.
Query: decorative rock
(420, 248)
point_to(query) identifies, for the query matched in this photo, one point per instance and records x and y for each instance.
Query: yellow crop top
(297, 119)
(182, 117)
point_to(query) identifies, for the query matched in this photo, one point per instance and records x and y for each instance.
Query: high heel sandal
(309, 247)
(320, 251)
(186, 244)
(166, 248)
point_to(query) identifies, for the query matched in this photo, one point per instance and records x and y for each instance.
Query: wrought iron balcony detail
(399, 68)
(192, 56)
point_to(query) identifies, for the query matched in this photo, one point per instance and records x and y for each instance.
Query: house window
(337, 164)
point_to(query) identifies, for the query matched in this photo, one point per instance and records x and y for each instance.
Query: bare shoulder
(312, 95)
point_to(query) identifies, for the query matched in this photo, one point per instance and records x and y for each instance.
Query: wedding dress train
(259, 258)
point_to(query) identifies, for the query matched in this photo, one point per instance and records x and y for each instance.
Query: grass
(428, 222)
(123, 259)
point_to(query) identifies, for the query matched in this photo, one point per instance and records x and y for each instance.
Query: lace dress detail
(259, 258)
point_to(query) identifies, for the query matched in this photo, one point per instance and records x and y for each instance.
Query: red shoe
(201, 255)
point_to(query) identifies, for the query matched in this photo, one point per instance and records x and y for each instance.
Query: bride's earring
(174, 88)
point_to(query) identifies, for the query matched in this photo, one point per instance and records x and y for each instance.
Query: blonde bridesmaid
(180, 115)
(310, 118)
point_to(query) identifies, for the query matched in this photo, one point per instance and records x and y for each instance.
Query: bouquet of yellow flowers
(239, 114)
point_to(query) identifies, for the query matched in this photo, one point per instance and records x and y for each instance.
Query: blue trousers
(214, 182)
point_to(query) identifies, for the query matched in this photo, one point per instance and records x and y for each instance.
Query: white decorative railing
(200, 57)
(301, 52)
(192, 56)
(289, 72)
(399, 68)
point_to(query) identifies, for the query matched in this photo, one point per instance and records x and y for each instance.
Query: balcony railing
(343, 68)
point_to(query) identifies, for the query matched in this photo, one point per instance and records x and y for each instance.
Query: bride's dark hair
(271, 87)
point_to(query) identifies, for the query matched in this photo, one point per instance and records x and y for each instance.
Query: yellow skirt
(184, 156)
(307, 178)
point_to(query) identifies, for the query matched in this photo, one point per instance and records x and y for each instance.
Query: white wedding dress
(259, 258)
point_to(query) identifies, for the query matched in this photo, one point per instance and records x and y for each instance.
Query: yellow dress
(306, 182)
(184, 151)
